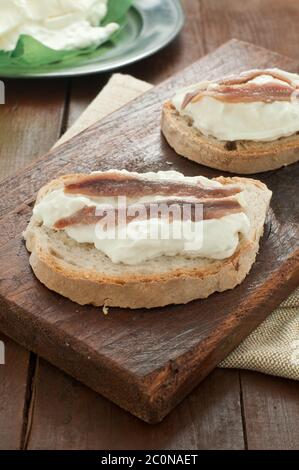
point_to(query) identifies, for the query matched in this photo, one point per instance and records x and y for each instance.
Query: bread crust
(144, 290)
(243, 157)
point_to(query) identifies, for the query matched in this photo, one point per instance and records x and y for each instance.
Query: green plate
(151, 25)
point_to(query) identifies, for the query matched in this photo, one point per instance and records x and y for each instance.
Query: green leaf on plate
(116, 10)
(31, 54)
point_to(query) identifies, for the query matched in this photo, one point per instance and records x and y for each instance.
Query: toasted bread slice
(243, 157)
(87, 276)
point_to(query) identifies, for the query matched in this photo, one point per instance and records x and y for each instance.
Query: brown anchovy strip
(244, 77)
(116, 184)
(213, 209)
(230, 90)
(250, 93)
(189, 98)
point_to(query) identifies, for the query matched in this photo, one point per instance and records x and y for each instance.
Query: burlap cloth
(273, 348)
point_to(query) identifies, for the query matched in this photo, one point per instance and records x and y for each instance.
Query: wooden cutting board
(145, 361)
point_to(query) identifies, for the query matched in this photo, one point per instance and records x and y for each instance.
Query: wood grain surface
(200, 421)
(155, 357)
(209, 23)
(14, 394)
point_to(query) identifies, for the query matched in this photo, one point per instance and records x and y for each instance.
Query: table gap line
(243, 414)
(29, 400)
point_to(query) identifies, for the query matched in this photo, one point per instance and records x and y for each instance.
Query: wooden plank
(271, 412)
(32, 110)
(269, 23)
(82, 92)
(71, 416)
(14, 378)
(171, 355)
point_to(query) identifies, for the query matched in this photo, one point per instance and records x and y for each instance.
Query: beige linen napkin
(273, 348)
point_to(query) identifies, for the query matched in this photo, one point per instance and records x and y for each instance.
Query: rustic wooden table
(41, 407)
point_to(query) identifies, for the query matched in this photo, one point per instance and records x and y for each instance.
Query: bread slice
(243, 157)
(85, 275)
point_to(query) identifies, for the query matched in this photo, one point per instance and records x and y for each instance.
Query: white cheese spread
(58, 24)
(214, 238)
(255, 121)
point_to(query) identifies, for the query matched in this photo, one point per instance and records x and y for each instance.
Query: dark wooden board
(145, 361)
